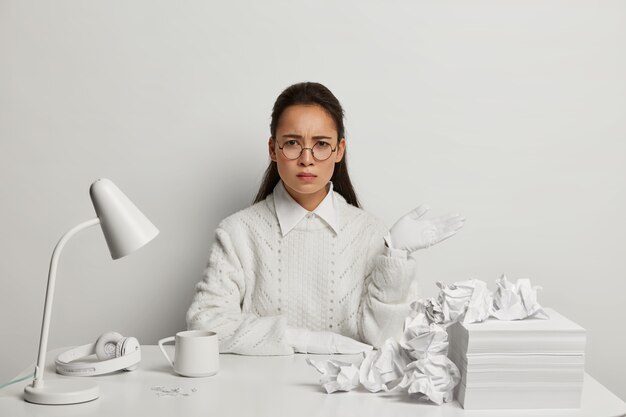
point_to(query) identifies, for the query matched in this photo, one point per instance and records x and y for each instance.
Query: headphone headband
(66, 366)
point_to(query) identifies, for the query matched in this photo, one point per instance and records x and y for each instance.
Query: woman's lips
(305, 176)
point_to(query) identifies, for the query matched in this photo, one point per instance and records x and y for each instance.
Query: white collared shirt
(290, 213)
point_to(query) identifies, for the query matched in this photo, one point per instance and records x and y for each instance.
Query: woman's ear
(272, 149)
(341, 148)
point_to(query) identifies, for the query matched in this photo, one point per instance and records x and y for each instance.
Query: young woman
(304, 268)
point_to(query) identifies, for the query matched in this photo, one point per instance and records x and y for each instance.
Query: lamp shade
(125, 228)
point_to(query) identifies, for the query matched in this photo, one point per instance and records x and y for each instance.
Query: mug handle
(161, 343)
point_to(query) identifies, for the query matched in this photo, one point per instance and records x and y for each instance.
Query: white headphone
(114, 352)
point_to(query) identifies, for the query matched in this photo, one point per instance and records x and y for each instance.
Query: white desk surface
(261, 386)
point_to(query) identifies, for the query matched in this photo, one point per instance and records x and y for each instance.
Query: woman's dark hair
(311, 94)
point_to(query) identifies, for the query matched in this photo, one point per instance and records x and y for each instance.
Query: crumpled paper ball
(434, 341)
(417, 321)
(383, 366)
(516, 301)
(467, 301)
(434, 377)
(421, 334)
(433, 311)
(336, 375)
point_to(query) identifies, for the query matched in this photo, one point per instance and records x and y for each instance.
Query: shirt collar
(290, 213)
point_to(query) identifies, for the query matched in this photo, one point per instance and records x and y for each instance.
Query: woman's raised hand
(412, 233)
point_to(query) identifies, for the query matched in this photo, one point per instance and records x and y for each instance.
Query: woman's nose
(306, 156)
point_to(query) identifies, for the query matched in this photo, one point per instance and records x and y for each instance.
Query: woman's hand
(412, 233)
(307, 341)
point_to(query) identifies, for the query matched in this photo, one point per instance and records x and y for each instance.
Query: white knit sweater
(258, 282)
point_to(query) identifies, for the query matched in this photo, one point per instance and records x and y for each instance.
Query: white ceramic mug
(196, 353)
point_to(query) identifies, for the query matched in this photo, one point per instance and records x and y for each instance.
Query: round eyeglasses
(321, 151)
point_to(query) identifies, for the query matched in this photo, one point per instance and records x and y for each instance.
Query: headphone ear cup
(127, 346)
(106, 346)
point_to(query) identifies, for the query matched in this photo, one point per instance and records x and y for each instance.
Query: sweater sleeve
(217, 302)
(388, 291)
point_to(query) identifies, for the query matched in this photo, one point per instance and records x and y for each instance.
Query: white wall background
(510, 112)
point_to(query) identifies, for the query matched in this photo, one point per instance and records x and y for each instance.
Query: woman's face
(305, 177)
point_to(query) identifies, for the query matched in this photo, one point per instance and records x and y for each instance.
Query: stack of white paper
(531, 363)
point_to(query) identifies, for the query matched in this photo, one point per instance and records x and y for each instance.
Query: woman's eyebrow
(295, 136)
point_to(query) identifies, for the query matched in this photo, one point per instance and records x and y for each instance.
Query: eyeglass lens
(321, 150)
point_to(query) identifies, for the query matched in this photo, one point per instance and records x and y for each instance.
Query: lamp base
(62, 392)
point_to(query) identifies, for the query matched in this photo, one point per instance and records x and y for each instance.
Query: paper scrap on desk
(162, 391)
(516, 301)
(434, 377)
(336, 375)
(383, 366)
(469, 301)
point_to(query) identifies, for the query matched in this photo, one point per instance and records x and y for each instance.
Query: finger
(453, 225)
(349, 345)
(419, 211)
(439, 223)
(365, 346)
(446, 236)
(443, 221)
(451, 229)
(452, 218)
(455, 220)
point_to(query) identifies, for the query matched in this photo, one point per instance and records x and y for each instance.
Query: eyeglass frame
(302, 148)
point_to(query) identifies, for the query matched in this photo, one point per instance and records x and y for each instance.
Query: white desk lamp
(125, 229)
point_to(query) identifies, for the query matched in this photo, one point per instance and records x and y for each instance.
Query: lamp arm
(45, 326)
